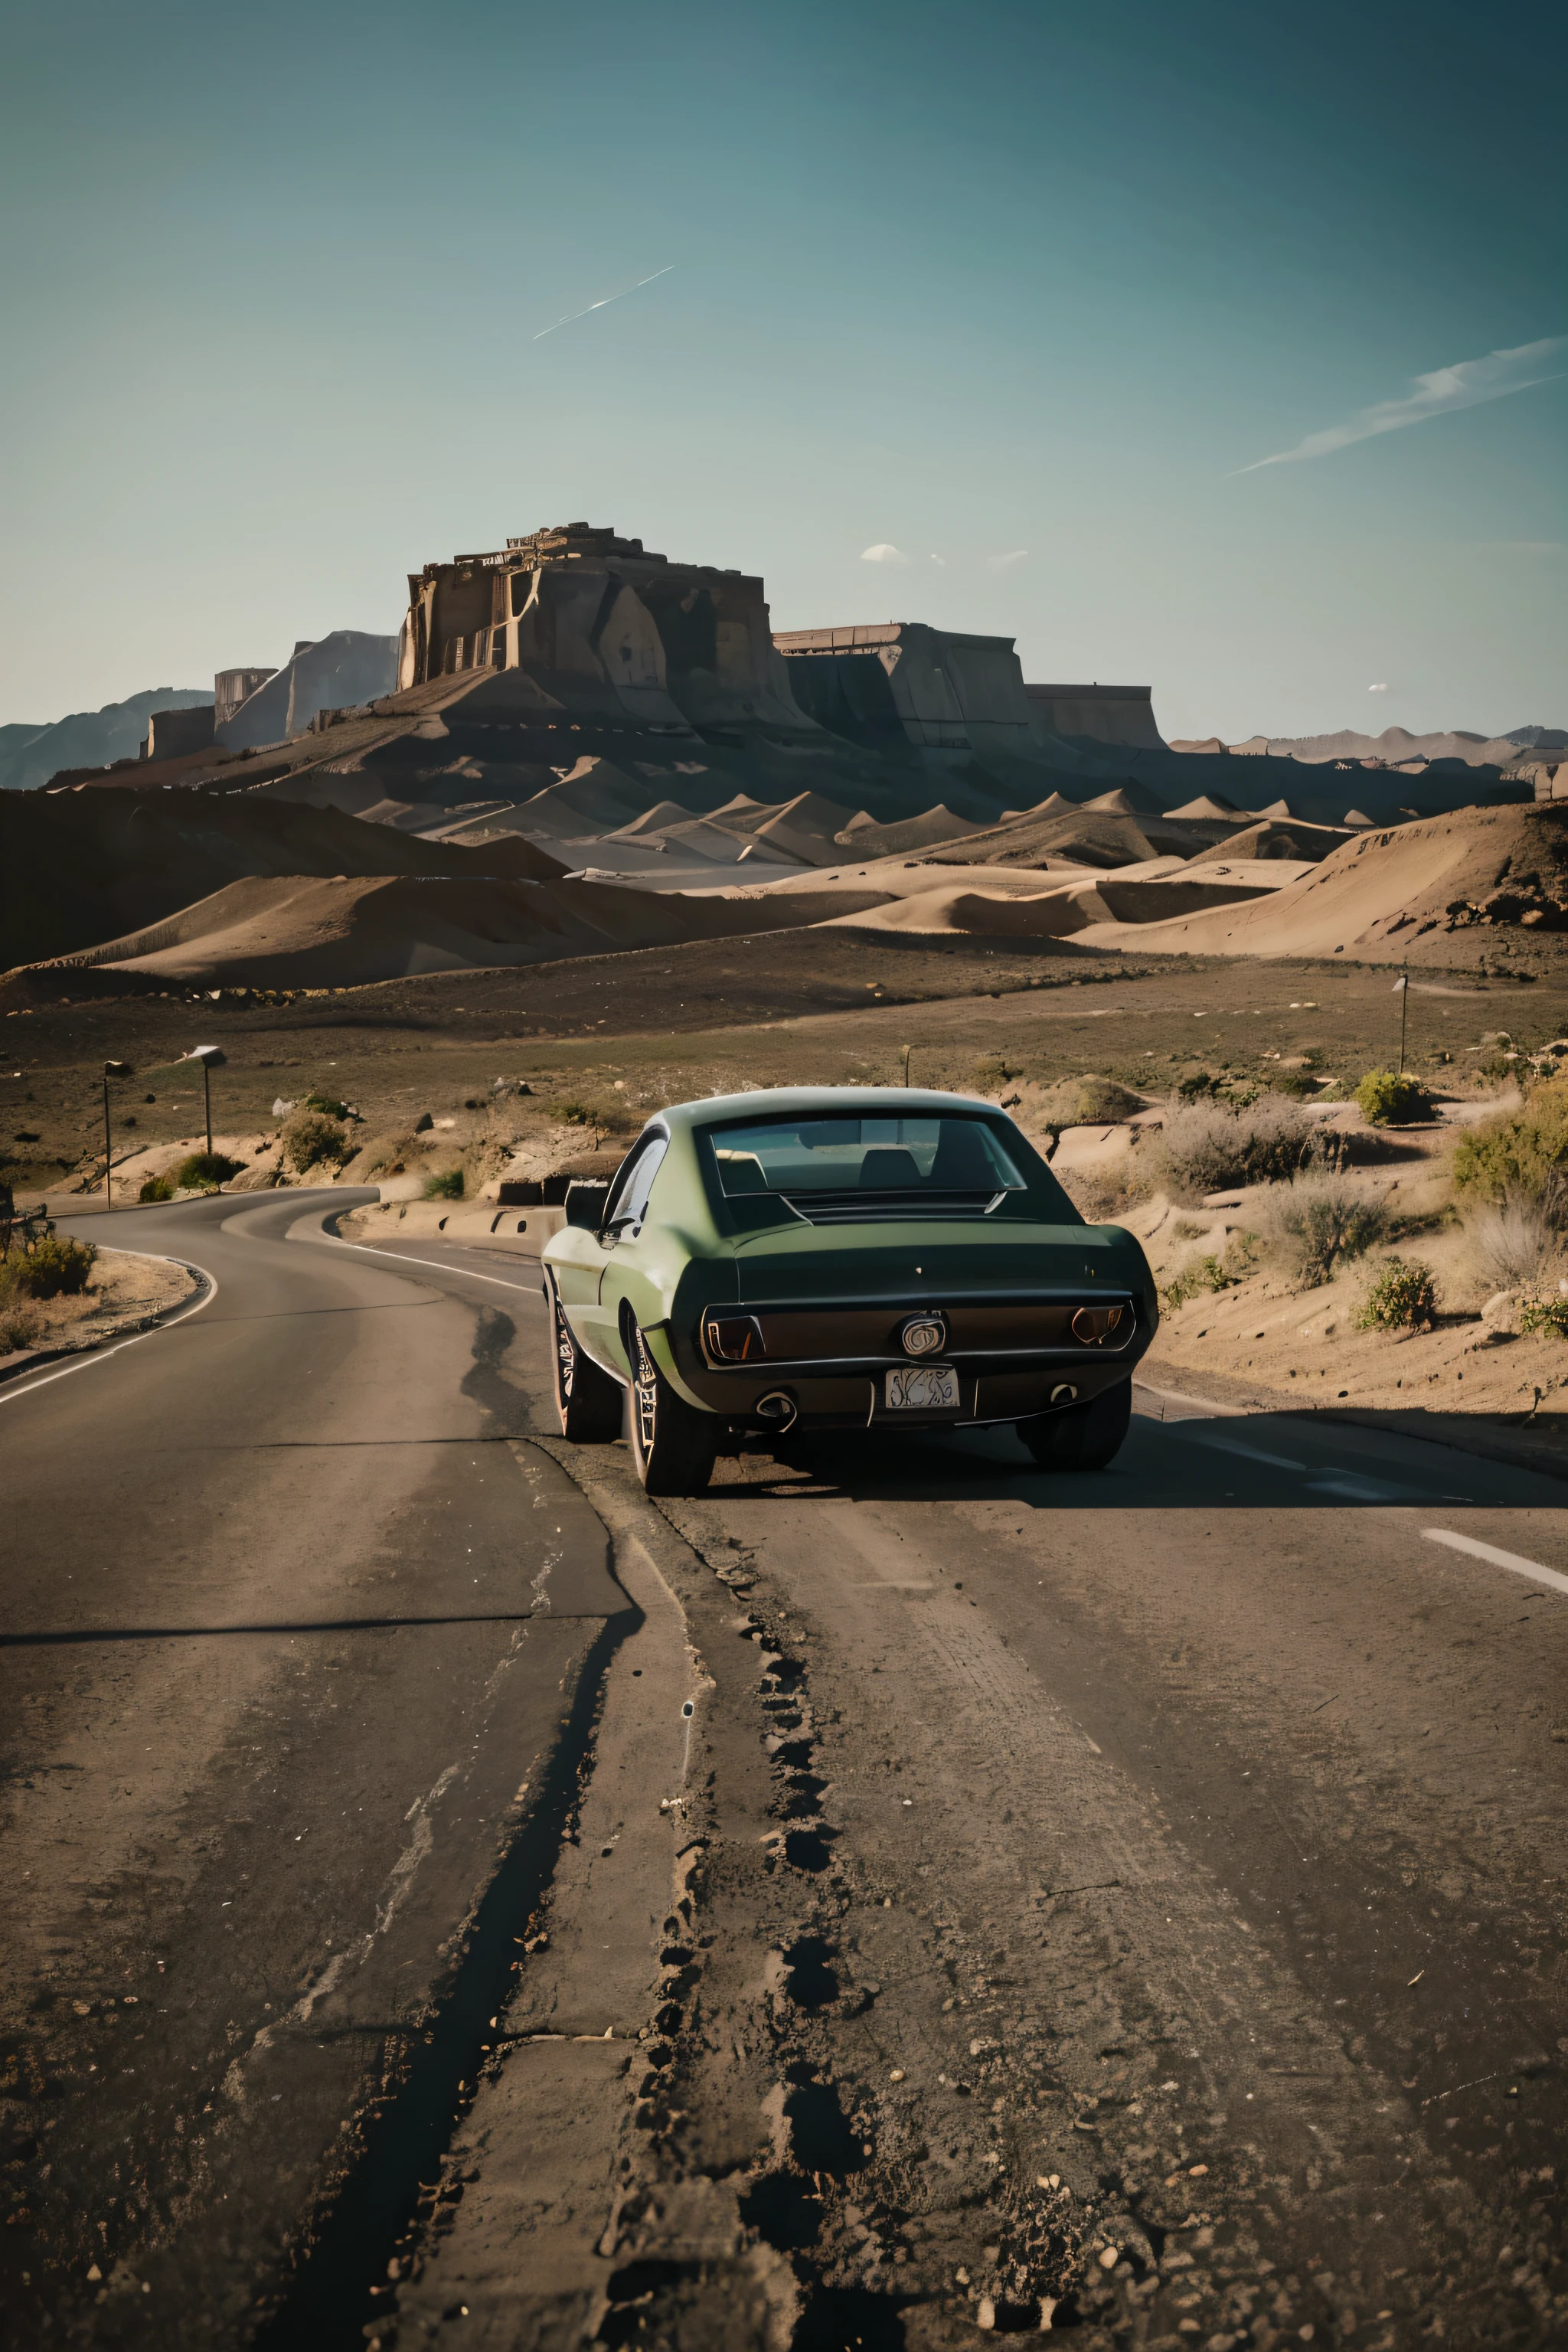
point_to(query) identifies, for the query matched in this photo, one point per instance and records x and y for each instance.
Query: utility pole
(905, 1051)
(1404, 1012)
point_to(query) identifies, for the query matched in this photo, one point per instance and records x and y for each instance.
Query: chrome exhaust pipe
(777, 1410)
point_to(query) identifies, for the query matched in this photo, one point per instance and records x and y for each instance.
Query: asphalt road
(298, 1641)
(1134, 1899)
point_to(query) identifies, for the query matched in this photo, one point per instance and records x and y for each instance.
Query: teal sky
(1024, 289)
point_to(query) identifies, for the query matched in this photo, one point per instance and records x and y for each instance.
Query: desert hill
(1481, 873)
(88, 864)
(298, 931)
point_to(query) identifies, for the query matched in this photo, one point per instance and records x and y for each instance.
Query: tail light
(1095, 1325)
(733, 1339)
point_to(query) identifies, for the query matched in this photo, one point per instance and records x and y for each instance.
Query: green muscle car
(838, 1257)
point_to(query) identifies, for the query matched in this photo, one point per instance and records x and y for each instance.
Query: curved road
(292, 1618)
(1141, 1894)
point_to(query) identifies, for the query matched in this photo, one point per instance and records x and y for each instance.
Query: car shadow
(1243, 1462)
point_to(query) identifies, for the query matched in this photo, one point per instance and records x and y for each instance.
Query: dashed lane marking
(1510, 1559)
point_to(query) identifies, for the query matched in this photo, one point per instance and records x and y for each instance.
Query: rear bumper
(854, 1400)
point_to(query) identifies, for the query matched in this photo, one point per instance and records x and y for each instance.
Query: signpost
(111, 1070)
(211, 1058)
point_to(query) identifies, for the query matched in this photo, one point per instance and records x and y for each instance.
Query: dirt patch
(125, 1294)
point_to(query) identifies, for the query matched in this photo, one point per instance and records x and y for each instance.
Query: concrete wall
(1107, 714)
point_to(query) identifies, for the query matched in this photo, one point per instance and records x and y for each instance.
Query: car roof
(831, 1102)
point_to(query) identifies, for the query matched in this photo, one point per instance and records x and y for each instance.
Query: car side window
(629, 1206)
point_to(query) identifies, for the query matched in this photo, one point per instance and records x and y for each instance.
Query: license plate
(921, 1387)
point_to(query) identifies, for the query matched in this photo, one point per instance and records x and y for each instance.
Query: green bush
(1403, 1297)
(1316, 1222)
(1520, 1155)
(157, 1188)
(310, 1137)
(445, 1187)
(1299, 1084)
(1545, 1315)
(993, 1070)
(57, 1266)
(328, 1104)
(1198, 1086)
(201, 1168)
(1392, 1099)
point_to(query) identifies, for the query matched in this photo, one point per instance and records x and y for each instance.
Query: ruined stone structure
(577, 624)
(1107, 714)
(233, 687)
(885, 679)
(172, 733)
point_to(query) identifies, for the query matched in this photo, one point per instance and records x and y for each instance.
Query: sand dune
(868, 839)
(306, 932)
(1303, 844)
(1378, 895)
(98, 864)
(1092, 904)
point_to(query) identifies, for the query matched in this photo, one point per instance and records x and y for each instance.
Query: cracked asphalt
(959, 1900)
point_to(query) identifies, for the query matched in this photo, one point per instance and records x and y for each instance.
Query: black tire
(1082, 1437)
(587, 1398)
(673, 1444)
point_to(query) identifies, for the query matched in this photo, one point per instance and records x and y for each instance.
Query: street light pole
(1404, 1014)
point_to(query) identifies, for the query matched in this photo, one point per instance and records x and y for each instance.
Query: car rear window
(912, 1157)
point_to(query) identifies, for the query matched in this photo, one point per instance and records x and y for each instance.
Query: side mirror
(585, 1204)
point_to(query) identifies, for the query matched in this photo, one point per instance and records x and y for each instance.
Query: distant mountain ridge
(1396, 743)
(30, 756)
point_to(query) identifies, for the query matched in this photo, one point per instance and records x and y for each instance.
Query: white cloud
(1377, 689)
(941, 560)
(883, 552)
(1014, 555)
(1464, 385)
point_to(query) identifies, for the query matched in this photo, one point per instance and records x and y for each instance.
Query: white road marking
(101, 1354)
(1206, 1408)
(1354, 1487)
(441, 1265)
(1246, 1452)
(1510, 1559)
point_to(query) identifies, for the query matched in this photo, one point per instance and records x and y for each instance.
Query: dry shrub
(1090, 1101)
(311, 1139)
(20, 1326)
(1210, 1148)
(1316, 1224)
(1515, 1247)
(1102, 1195)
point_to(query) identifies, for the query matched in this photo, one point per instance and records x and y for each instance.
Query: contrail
(605, 303)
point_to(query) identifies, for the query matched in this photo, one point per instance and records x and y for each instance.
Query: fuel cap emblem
(923, 1335)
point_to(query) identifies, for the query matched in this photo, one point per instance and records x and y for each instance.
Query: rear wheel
(673, 1444)
(1082, 1437)
(587, 1398)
